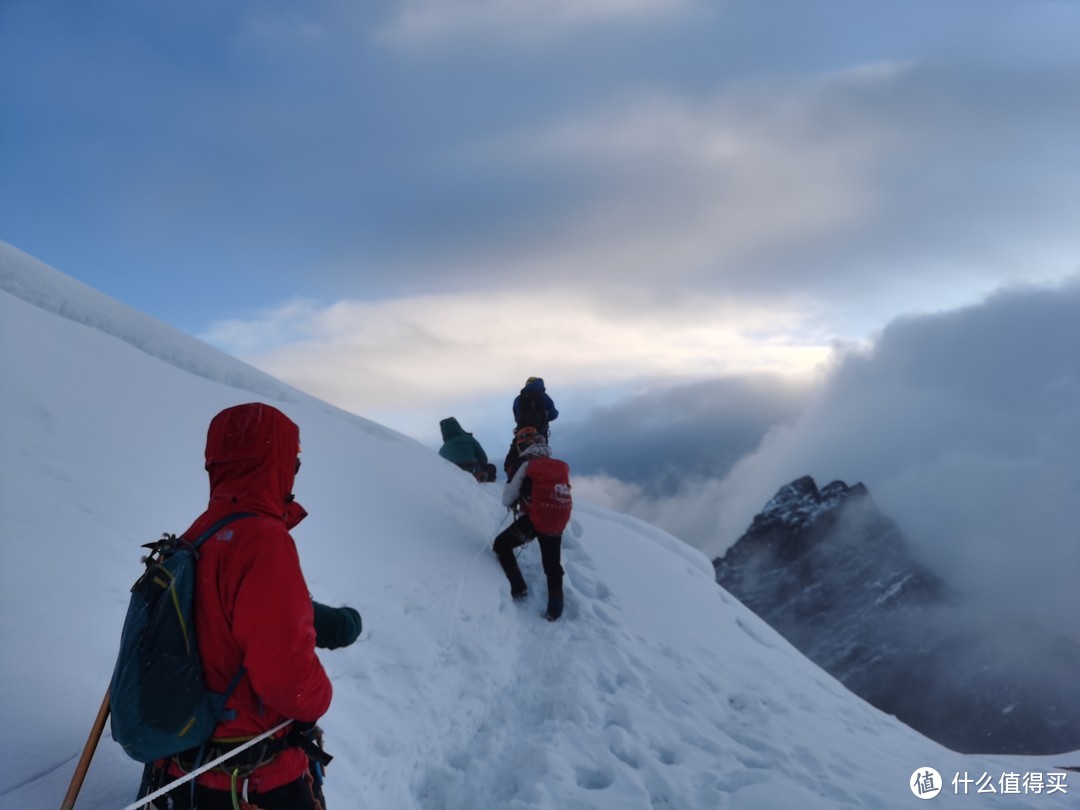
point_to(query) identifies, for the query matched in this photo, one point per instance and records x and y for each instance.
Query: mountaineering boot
(518, 588)
(555, 604)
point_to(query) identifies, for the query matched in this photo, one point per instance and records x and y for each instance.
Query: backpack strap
(218, 526)
(230, 714)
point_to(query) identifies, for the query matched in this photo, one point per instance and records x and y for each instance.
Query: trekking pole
(87, 754)
(157, 794)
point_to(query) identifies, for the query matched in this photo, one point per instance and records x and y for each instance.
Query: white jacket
(512, 490)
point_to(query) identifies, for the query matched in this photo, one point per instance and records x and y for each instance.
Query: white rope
(464, 573)
(143, 802)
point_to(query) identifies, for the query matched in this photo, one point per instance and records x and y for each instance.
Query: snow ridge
(41, 286)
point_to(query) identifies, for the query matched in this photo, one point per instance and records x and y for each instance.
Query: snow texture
(656, 690)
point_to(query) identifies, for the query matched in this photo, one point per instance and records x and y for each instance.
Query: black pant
(296, 795)
(512, 461)
(520, 532)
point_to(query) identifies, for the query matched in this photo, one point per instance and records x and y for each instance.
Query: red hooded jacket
(252, 605)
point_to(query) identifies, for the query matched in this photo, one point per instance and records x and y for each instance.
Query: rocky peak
(834, 575)
(799, 504)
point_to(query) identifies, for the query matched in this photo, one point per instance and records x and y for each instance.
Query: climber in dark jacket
(534, 408)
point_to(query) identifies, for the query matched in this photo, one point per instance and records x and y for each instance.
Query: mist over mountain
(965, 424)
(827, 569)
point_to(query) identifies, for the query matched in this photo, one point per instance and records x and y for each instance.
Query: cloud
(426, 351)
(669, 438)
(277, 151)
(851, 188)
(410, 362)
(708, 192)
(662, 454)
(688, 512)
(423, 22)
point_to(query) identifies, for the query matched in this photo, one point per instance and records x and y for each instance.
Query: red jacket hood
(251, 453)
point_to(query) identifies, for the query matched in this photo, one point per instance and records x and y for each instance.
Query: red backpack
(549, 503)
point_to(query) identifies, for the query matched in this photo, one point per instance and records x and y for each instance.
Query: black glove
(336, 627)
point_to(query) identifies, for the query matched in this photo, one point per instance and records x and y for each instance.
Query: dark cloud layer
(658, 438)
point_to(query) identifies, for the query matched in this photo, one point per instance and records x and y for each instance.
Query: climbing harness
(144, 802)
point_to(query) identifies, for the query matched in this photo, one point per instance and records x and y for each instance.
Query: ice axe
(87, 754)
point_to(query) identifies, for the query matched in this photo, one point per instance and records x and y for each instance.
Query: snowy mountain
(657, 689)
(834, 575)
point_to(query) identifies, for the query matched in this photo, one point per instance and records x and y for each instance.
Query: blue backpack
(159, 702)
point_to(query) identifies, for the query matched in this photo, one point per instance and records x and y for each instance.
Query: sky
(684, 215)
(656, 689)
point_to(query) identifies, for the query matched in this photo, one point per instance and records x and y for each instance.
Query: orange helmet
(526, 437)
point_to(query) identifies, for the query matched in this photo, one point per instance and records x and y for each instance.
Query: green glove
(335, 627)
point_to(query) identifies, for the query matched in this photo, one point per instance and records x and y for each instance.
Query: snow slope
(657, 689)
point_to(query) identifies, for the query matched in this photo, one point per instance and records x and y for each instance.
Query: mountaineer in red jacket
(253, 614)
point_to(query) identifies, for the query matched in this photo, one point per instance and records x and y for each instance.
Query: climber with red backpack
(539, 493)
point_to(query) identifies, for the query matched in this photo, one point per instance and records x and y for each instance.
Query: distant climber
(462, 449)
(539, 493)
(533, 411)
(534, 408)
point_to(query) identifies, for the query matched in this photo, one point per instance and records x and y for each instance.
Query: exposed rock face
(834, 575)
